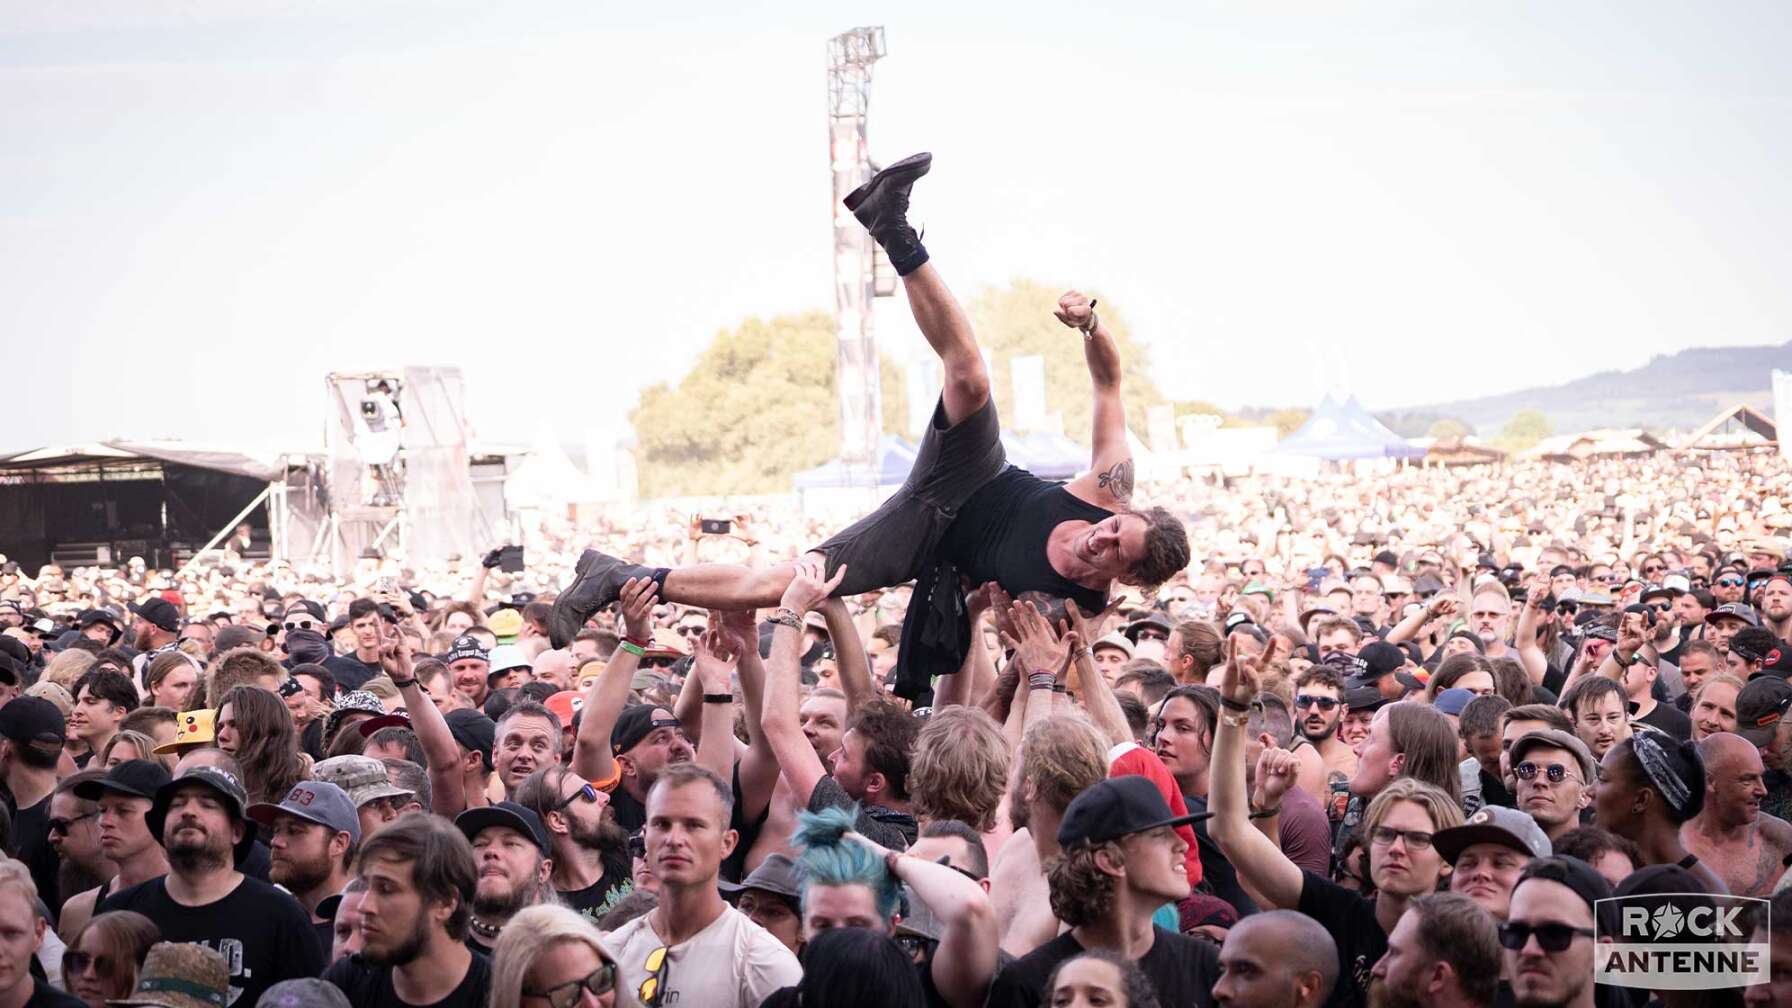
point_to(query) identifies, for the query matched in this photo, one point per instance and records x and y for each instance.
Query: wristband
(632, 648)
(1233, 705)
(1060, 688)
(1618, 656)
(1041, 680)
(1235, 720)
(639, 641)
(402, 683)
(718, 698)
(786, 616)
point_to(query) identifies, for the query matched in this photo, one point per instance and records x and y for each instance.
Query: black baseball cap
(223, 783)
(33, 721)
(1379, 658)
(313, 609)
(160, 612)
(1359, 698)
(89, 617)
(1759, 708)
(636, 722)
(139, 777)
(1115, 807)
(507, 814)
(1579, 876)
(474, 731)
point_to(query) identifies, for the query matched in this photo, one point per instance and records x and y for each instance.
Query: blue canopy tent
(1045, 454)
(894, 459)
(1339, 431)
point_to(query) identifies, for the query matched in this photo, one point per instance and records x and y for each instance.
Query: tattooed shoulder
(1117, 480)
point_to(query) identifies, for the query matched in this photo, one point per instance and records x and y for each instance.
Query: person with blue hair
(849, 881)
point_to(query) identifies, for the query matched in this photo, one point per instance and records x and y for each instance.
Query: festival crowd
(1390, 739)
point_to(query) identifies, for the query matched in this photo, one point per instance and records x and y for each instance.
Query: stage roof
(99, 453)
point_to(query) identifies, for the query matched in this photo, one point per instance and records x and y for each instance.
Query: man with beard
(1318, 710)
(1549, 936)
(75, 836)
(156, 628)
(123, 796)
(589, 851)
(1761, 720)
(263, 933)
(1444, 953)
(413, 920)
(1490, 618)
(510, 847)
(313, 833)
(1745, 846)
(1776, 606)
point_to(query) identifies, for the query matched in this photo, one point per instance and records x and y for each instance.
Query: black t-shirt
(590, 900)
(264, 934)
(1183, 970)
(1351, 920)
(889, 828)
(1670, 720)
(31, 838)
(1493, 791)
(370, 986)
(45, 996)
(1216, 869)
(630, 814)
(351, 673)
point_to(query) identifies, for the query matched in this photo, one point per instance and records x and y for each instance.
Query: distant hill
(1676, 391)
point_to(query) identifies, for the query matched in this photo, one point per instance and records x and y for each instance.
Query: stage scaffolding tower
(856, 270)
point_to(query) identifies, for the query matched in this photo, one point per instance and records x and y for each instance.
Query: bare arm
(1261, 864)
(1041, 657)
(1535, 663)
(1097, 694)
(1442, 606)
(965, 962)
(712, 668)
(1109, 480)
(783, 728)
(591, 757)
(849, 654)
(447, 782)
(476, 588)
(758, 766)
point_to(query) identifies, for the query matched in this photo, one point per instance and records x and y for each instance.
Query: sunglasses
(1324, 703)
(1156, 635)
(600, 982)
(585, 791)
(1654, 569)
(653, 989)
(60, 827)
(1725, 582)
(1551, 936)
(1661, 606)
(690, 631)
(1384, 836)
(1555, 773)
(76, 963)
(298, 624)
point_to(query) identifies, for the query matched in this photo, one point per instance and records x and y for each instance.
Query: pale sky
(205, 206)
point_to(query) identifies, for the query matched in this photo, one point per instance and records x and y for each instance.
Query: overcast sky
(206, 205)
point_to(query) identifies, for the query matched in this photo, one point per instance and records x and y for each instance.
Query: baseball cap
(1115, 807)
(313, 609)
(396, 719)
(221, 782)
(363, 778)
(158, 611)
(505, 623)
(1115, 641)
(636, 722)
(304, 992)
(1359, 698)
(1494, 824)
(465, 646)
(505, 657)
(139, 777)
(566, 705)
(89, 617)
(1380, 658)
(1567, 741)
(1578, 876)
(314, 801)
(1734, 610)
(1452, 700)
(32, 721)
(192, 728)
(1759, 708)
(508, 814)
(473, 731)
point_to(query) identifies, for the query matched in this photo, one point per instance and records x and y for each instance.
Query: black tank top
(1000, 535)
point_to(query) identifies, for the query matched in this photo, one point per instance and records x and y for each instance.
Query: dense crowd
(1422, 723)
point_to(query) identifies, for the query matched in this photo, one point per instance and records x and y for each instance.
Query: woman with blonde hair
(127, 745)
(548, 956)
(68, 666)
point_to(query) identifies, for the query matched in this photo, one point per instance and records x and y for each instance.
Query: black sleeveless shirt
(1000, 535)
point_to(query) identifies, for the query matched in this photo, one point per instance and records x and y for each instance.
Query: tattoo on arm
(1117, 481)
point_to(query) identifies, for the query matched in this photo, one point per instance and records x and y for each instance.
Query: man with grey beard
(589, 849)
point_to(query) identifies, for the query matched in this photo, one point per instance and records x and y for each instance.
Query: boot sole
(912, 167)
(557, 635)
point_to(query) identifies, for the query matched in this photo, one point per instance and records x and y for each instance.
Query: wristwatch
(1618, 656)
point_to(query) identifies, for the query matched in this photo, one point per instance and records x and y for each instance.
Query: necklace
(485, 931)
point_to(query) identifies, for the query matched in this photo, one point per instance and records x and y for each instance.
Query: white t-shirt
(732, 962)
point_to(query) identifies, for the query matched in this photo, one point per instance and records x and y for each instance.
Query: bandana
(1654, 757)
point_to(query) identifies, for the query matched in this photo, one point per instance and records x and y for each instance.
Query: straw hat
(179, 975)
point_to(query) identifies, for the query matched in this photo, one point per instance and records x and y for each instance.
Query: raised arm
(447, 780)
(1441, 606)
(1108, 483)
(1041, 658)
(758, 766)
(713, 667)
(783, 687)
(1524, 636)
(476, 588)
(849, 654)
(1261, 865)
(1097, 695)
(965, 961)
(591, 757)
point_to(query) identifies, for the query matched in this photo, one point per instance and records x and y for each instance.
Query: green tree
(1287, 421)
(1525, 429)
(1016, 321)
(757, 406)
(1448, 427)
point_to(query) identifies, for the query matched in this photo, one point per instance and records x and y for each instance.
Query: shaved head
(1290, 953)
(1724, 752)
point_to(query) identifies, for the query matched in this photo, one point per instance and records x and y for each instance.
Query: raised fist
(1075, 310)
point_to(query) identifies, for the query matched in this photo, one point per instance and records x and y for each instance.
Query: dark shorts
(891, 545)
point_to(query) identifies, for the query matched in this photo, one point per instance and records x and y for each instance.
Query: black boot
(597, 582)
(882, 206)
